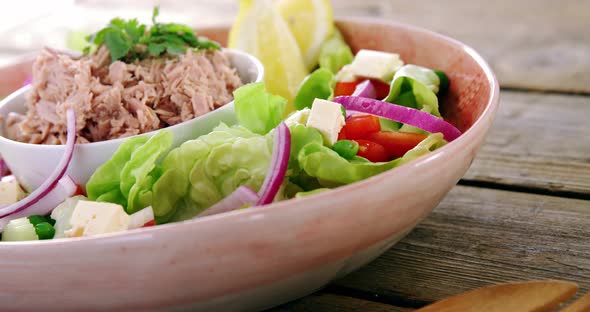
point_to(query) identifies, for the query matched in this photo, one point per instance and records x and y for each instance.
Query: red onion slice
(66, 187)
(365, 89)
(141, 217)
(3, 168)
(55, 177)
(243, 195)
(403, 114)
(278, 165)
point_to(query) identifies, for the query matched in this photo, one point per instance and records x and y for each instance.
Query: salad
(353, 117)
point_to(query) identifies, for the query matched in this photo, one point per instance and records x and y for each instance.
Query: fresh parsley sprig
(129, 40)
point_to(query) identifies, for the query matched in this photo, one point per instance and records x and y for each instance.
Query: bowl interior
(469, 91)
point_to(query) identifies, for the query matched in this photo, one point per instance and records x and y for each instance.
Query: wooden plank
(327, 302)
(481, 236)
(539, 141)
(533, 44)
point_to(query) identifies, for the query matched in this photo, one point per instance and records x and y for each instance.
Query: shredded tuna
(114, 100)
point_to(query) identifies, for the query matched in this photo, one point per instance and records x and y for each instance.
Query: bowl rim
(481, 125)
(256, 64)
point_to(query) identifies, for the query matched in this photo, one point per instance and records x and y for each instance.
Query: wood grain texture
(478, 237)
(532, 44)
(327, 302)
(540, 141)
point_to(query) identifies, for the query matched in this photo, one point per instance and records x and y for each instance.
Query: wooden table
(522, 212)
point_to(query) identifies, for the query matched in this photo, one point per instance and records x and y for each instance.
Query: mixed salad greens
(355, 116)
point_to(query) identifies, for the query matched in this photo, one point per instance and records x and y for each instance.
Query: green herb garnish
(129, 40)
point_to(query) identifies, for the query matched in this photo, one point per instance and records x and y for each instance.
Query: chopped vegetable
(425, 76)
(317, 85)
(396, 143)
(365, 89)
(258, 110)
(141, 218)
(203, 171)
(3, 168)
(241, 197)
(444, 81)
(359, 126)
(410, 116)
(346, 148)
(372, 151)
(19, 230)
(278, 165)
(345, 87)
(55, 176)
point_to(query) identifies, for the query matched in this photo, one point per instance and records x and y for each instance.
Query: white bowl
(33, 163)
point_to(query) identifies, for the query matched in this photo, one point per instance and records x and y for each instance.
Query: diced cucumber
(19, 230)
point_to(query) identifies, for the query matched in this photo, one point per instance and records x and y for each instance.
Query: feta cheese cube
(345, 74)
(10, 192)
(376, 64)
(93, 218)
(326, 116)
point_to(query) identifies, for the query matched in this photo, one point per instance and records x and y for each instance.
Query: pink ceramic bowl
(257, 258)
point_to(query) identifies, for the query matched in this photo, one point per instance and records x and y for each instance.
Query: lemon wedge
(311, 22)
(260, 30)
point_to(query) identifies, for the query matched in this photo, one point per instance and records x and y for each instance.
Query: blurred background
(529, 43)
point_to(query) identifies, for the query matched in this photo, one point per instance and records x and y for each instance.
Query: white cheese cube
(345, 74)
(10, 192)
(376, 64)
(326, 116)
(93, 218)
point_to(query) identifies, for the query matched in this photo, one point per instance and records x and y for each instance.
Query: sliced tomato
(345, 88)
(372, 151)
(150, 223)
(359, 126)
(80, 190)
(381, 88)
(396, 143)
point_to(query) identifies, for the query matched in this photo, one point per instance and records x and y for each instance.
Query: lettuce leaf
(412, 86)
(105, 181)
(127, 178)
(335, 53)
(317, 85)
(203, 171)
(331, 170)
(258, 110)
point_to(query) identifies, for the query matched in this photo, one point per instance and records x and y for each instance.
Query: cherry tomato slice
(372, 151)
(359, 126)
(381, 88)
(345, 88)
(150, 223)
(396, 143)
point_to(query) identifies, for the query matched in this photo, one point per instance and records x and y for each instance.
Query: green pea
(44, 230)
(346, 148)
(444, 81)
(34, 220)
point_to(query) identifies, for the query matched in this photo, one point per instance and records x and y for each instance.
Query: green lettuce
(412, 86)
(203, 171)
(331, 170)
(317, 85)
(258, 110)
(127, 178)
(335, 53)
